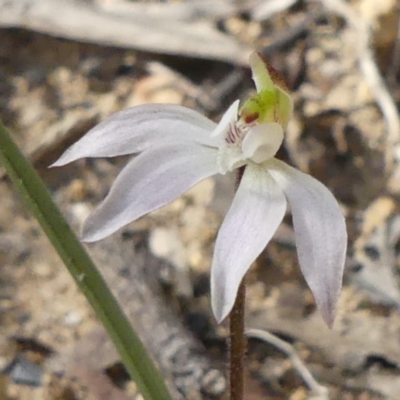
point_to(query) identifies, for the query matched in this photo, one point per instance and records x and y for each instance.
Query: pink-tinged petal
(136, 129)
(321, 236)
(262, 141)
(256, 212)
(150, 181)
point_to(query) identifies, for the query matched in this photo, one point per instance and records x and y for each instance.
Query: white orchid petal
(150, 181)
(228, 118)
(321, 236)
(262, 141)
(230, 158)
(256, 212)
(136, 129)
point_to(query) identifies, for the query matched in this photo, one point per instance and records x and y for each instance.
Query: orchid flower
(177, 148)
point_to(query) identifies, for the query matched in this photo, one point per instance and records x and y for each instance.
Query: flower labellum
(177, 148)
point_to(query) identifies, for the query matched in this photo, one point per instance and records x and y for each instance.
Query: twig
(174, 11)
(395, 63)
(78, 20)
(321, 391)
(372, 76)
(266, 9)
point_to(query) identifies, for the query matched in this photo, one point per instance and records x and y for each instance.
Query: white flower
(178, 148)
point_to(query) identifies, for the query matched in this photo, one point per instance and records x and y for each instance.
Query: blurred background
(66, 65)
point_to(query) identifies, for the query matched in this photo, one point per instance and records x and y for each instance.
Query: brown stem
(237, 342)
(237, 345)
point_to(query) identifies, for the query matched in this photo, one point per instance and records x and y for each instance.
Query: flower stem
(237, 339)
(237, 345)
